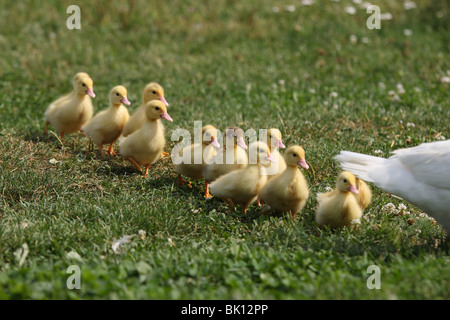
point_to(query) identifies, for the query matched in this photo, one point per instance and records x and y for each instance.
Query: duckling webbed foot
(207, 194)
(111, 150)
(181, 181)
(146, 169)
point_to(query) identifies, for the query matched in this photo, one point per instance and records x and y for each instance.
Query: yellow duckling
(69, 113)
(232, 157)
(275, 142)
(339, 207)
(242, 186)
(107, 125)
(288, 191)
(197, 155)
(144, 146)
(152, 91)
(364, 196)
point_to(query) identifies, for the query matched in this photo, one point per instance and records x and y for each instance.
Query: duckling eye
(295, 155)
(117, 94)
(83, 85)
(345, 180)
(156, 108)
(154, 92)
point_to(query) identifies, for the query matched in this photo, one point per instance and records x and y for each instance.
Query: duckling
(364, 195)
(144, 146)
(288, 191)
(275, 142)
(339, 207)
(152, 91)
(207, 149)
(70, 112)
(242, 186)
(107, 125)
(232, 157)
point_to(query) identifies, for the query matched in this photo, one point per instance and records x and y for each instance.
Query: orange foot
(207, 194)
(181, 181)
(111, 150)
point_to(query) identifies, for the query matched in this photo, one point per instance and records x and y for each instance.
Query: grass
(227, 63)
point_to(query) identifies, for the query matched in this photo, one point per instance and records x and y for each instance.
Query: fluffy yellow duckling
(232, 157)
(339, 207)
(152, 91)
(288, 191)
(198, 155)
(275, 142)
(242, 186)
(144, 146)
(364, 196)
(69, 113)
(107, 125)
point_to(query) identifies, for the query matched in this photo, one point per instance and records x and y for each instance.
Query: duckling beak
(164, 101)
(302, 163)
(270, 158)
(90, 92)
(166, 116)
(214, 143)
(281, 144)
(241, 143)
(353, 189)
(124, 100)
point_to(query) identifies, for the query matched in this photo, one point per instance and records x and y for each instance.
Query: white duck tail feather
(360, 165)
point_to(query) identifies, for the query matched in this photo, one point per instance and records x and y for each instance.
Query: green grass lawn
(314, 71)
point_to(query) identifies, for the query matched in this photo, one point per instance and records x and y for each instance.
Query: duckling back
(144, 145)
(338, 211)
(69, 113)
(107, 125)
(364, 196)
(192, 168)
(287, 192)
(220, 165)
(242, 186)
(135, 122)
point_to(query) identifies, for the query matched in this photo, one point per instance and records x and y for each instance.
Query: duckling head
(274, 138)
(346, 181)
(209, 134)
(259, 153)
(295, 156)
(154, 91)
(155, 110)
(235, 136)
(118, 95)
(83, 84)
